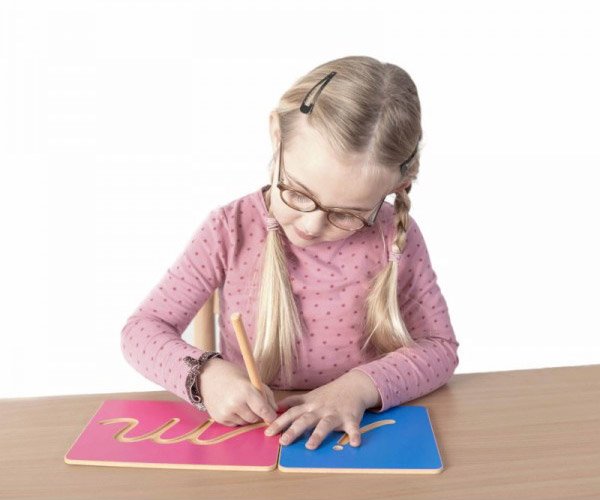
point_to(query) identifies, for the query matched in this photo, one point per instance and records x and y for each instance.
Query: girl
(335, 284)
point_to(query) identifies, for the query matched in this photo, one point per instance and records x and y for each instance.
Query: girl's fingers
(302, 423)
(273, 402)
(249, 416)
(283, 420)
(233, 420)
(289, 401)
(323, 428)
(260, 406)
(270, 396)
(353, 432)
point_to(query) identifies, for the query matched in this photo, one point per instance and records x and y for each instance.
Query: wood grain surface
(526, 434)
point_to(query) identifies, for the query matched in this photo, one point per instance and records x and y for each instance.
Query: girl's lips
(302, 235)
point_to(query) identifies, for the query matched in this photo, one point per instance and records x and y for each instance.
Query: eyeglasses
(303, 202)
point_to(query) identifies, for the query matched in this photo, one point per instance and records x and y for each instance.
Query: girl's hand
(230, 398)
(336, 406)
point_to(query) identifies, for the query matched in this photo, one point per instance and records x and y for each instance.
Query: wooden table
(514, 434)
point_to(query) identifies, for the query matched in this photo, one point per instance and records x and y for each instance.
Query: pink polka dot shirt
(330, 281)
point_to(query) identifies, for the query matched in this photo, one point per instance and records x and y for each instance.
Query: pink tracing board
(133, 433)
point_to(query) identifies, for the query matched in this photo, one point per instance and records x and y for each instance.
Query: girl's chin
(302, 238)
(295, 238)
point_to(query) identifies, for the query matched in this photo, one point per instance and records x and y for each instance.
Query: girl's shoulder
(245, 211)
(232, 227)
(237, 220)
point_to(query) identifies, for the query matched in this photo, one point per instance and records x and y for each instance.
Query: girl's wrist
(366, 387)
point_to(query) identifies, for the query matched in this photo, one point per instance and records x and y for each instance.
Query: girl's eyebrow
(309, 191)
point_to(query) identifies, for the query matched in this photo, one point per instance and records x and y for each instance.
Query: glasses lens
(345, 221)
(297, 200)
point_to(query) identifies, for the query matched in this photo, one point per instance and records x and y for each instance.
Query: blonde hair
(369, 106)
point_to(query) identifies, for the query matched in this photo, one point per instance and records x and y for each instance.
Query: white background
(123, 123)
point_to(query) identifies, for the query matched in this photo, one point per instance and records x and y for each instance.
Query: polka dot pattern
(330, 282)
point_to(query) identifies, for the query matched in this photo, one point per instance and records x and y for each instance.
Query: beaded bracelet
(192, 380)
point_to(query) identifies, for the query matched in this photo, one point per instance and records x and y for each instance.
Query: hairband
(394, 255)
(272, 223)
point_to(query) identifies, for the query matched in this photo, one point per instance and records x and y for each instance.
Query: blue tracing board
(397, 441)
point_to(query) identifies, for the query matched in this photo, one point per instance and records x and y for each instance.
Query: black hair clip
(308, 108)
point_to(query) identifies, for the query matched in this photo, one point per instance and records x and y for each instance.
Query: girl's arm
(411, 372)
(151, 338)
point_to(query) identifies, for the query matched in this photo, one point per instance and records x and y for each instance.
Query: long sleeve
(411, 372)
(151, 338)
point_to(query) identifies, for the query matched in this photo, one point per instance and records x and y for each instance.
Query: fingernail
(268, 432)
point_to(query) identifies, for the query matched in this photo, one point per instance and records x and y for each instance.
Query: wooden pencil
(246, 350)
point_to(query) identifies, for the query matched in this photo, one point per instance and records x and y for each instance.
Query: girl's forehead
(337, 181)
(339, 186)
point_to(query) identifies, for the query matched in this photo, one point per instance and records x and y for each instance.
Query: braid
(401, 208)
(384, 327)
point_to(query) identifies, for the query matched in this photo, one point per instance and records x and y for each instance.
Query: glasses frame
(282, 186)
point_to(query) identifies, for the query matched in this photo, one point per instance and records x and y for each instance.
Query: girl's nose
(313, 223)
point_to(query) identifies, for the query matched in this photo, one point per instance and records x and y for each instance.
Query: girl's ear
(406, 185)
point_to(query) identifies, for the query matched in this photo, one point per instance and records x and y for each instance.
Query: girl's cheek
(286, 216)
